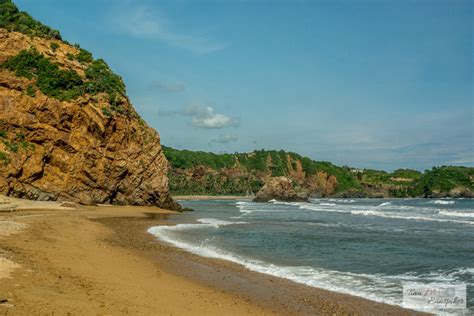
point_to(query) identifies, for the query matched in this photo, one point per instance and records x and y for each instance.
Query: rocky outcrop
(79, 150)
(281, 189)
(457, 192)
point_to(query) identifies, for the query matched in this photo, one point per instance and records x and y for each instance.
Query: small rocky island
(281, 189)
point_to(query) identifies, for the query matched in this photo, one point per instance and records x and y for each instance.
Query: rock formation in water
(280, 189)
(67, 129)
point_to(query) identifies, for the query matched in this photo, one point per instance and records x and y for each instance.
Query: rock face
(74, 150)
(279, 188)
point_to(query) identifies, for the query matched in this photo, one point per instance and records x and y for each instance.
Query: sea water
(364, 247)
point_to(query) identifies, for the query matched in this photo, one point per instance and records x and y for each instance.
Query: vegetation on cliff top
(65, 84)
(50, 78)
(444, 179)
(404, 177)
(15, 20)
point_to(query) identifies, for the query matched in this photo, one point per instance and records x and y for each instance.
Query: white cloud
(206, 117)
(144, 22)
(202, 117)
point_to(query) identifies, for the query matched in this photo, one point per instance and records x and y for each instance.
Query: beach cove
(89, 260)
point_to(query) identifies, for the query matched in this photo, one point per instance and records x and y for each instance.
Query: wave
(442, 202)
(317, 207)
(385, 204)
(466, 271)
(185, 226)
(420, 218)
(327, 204)
(274, 207)
(217, 222)
(242, 206)
(341, 200)
(395, 215)
(241, 203)
(203, 223)
(456, 214)
(285, 203)
(376, 287)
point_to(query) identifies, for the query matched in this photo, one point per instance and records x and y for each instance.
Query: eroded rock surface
(76, 150)
(281, 189)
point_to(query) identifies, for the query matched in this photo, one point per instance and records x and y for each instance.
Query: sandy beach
(69, 259)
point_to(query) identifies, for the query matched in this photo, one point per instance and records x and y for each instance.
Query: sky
(379, 84)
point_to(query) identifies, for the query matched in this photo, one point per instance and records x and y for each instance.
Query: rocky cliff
(67, 128)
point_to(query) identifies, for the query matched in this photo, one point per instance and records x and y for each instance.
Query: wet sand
(101, 261)
(213, 197)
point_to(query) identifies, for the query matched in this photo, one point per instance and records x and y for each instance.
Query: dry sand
(101, 261)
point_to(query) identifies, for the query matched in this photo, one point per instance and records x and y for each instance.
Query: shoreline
(268, 291)
(251, 197)
(103, 260)
(212, 197)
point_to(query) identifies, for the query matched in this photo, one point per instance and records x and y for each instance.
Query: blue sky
(372, 84)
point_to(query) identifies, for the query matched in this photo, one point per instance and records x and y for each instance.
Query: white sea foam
(385, 204)
(327, 204)
(455, 214)
(466, 271)
(317, 207)
(341, 200)
(403, 216)
(217, 222)
(431, 214)
(243, 206)
(285, 203)
(442, 202)
(186, 226)
(203, 223)
(241, 203)
(368, 213)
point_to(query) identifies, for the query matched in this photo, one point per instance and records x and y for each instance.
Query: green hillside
(199, 172)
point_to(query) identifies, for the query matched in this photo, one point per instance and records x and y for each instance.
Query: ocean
(364, 247)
